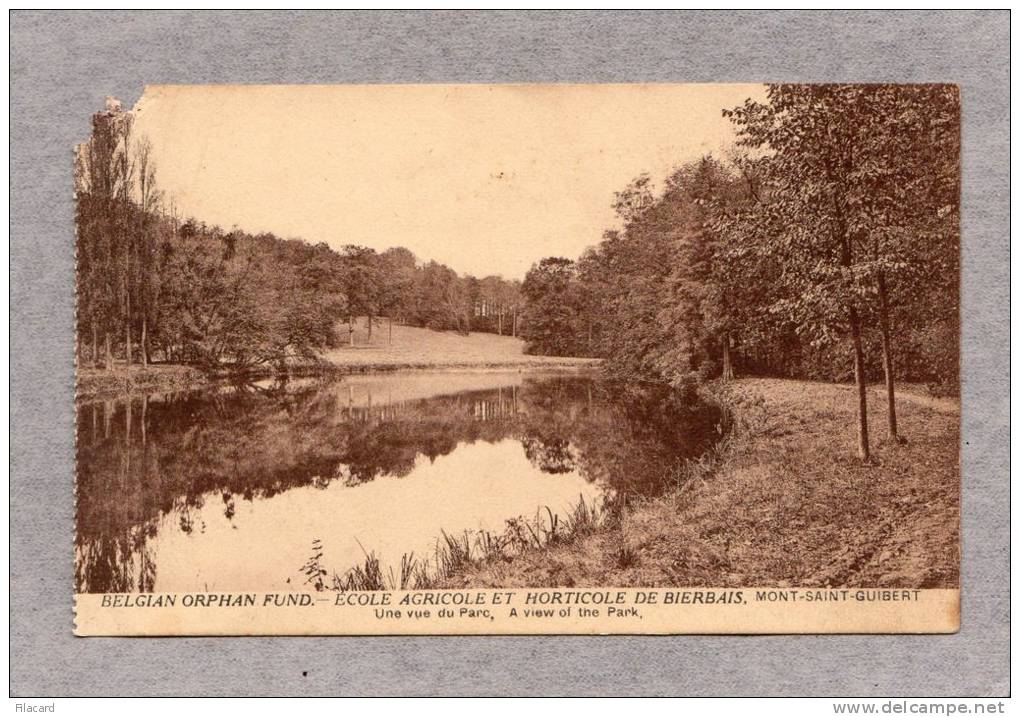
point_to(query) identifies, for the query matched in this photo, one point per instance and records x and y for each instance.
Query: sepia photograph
(550, 358)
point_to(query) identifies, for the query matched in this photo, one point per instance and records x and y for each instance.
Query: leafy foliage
(151, 285)
(825, 245)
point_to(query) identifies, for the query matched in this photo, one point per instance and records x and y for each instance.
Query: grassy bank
(127, 380)
(406, 348)
(409, 347)
(783, 502)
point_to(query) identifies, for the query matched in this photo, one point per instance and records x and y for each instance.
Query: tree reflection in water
(147, 457)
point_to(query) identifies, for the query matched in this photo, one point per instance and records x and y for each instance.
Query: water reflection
(227, 489)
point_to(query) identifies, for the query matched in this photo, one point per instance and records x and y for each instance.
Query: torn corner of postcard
(518, 359)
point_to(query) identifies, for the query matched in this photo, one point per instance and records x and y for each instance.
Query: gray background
(62, 66)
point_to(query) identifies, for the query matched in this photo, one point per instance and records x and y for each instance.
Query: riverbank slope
(784, 503)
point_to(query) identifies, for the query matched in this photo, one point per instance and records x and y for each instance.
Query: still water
(228, 489)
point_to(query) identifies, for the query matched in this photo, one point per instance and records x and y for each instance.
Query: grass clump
(454, 553)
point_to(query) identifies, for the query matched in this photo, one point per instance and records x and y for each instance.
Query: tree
(552, 297)
(863, 196)
(508, 296)
(809, 224)
(634, 199)
(443, 302)
(793, 257)
(493, 304)
(103, 178)
(907, 162)
(399, 267)
(362, 285)
(148, 204)
(704, 283)
(647, 329)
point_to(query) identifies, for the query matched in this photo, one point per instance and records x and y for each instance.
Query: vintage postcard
(519, 359)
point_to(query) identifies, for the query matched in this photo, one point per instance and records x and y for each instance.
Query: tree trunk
(887, 358)
(127, 306)
(109, 350)
(350, 330)
(127, 426)
(846, 260)
(390, 321)
(127, 342)
(142, 347)
(863, 450)
(727, 362)
(95, 344)
(370, 328)
(514, 332)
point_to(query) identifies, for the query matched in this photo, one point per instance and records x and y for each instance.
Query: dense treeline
(152, 285)
(825, 246)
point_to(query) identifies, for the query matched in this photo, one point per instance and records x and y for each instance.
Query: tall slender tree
(811, 223)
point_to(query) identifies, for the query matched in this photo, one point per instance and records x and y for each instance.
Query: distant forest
(152, 285)
(825, 246)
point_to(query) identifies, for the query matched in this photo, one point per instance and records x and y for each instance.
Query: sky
(487, 179)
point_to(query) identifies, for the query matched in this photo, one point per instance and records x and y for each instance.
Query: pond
(247, 488)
